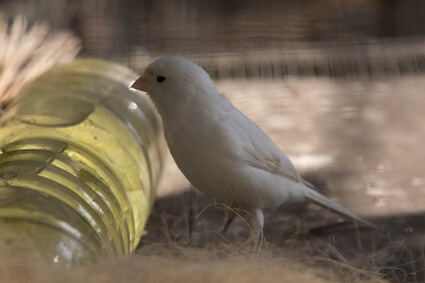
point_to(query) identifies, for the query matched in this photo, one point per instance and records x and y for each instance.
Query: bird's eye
(160, 79)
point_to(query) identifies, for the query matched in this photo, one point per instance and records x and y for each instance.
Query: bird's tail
(327, 203)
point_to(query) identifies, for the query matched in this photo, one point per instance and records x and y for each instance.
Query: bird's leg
(191, 213)
(229, 216)
(256, 223)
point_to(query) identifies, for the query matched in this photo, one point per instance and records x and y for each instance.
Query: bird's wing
(259, 151)
(270, 158)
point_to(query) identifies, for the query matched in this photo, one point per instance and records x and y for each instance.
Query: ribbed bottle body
(81, 156)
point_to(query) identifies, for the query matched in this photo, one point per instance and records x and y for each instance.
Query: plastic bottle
(79, 164)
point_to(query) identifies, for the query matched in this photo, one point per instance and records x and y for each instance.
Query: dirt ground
(359, 142)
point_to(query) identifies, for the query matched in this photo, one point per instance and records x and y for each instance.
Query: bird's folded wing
(254, 145)
(263, 154)
(275, 166)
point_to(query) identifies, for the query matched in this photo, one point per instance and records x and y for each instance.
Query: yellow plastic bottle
(79, 164)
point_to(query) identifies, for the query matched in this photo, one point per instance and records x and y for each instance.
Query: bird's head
(173, 81)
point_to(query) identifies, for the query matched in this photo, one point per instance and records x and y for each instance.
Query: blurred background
(337, 84)
(254, 38)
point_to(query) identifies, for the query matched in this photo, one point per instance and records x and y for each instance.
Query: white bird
(221, 151)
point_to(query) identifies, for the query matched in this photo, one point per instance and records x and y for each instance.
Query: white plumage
(220, 151)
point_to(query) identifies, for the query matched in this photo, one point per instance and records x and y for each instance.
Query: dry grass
(26, 52)
(178, 263)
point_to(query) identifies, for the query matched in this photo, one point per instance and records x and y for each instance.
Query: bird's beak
(140, 84)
